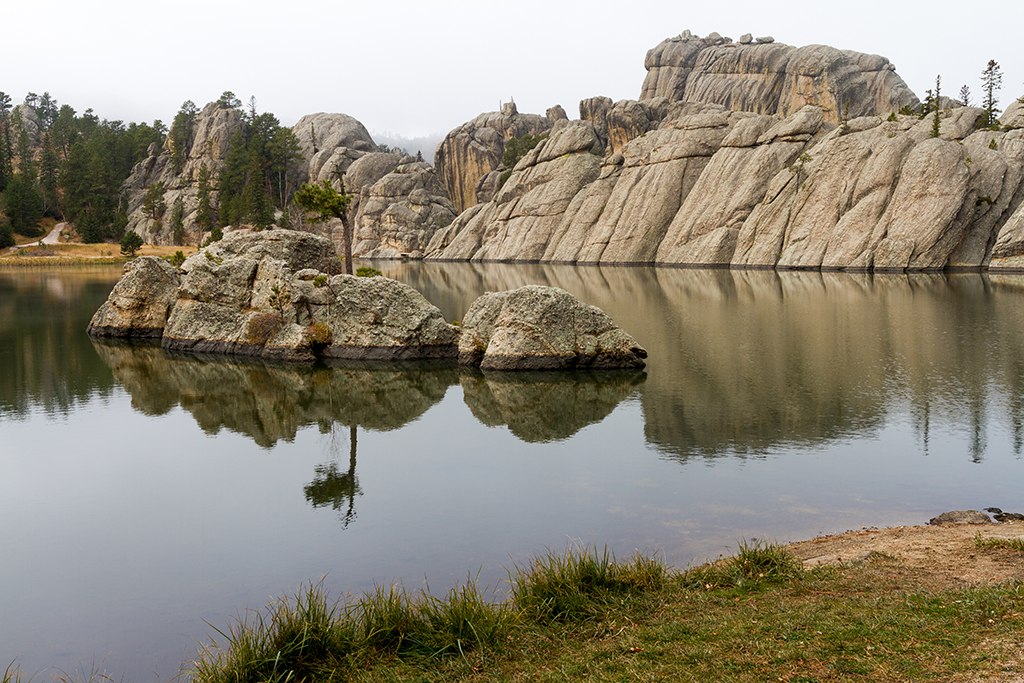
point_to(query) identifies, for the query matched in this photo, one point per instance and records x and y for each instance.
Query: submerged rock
(543, 328)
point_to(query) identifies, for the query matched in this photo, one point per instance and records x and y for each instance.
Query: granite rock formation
(704, 185)
(140, 302)
(398, 214)
(277, 295)
(766, 77)
(468, 154)
(543, 328)
(212, 132)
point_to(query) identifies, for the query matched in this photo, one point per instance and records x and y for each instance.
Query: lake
(146, 498)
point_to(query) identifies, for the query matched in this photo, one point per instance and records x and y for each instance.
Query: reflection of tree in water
(334, 488)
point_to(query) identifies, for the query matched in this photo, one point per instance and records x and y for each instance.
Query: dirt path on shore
(941, 556)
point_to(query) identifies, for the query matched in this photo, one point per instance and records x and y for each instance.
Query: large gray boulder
(329, 144)
(140, 302)
(543, 328)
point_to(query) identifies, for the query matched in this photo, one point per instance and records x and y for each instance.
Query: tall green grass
(756, 563)
(312, 638)
(577, 584)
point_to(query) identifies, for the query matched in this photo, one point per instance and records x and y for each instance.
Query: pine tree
(257, 207)
(178, 222)
(181, 134)
(991, 83)
(204, 214)
(23, 206)
(965, 95)
(937, 115)
(49, 169)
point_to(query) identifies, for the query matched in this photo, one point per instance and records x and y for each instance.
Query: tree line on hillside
(57, 163)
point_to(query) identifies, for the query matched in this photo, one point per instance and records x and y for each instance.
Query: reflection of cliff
(745, 360)
(546, 406)
(45, 356)
(270, 403)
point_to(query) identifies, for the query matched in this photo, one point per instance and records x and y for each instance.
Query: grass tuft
(291, 640)
(1016, 544)
(464, 620)
(577, 584)
(755, 564)
(387, 619)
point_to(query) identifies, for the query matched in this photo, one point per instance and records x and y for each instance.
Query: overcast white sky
(415, 68)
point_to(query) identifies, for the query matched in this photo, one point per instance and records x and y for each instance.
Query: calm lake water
(146, 499)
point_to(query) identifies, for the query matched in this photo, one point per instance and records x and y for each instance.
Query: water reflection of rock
(745, 360)
(47, 363)
(546, 406)
(269, 403)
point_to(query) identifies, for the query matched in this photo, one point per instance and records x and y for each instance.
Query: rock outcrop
(543, 328)
(399, 213)
(211, 137)
(772, 78)
(329, 144)
(473, 150)
(703, 185)
(140, 302)
(277, 295)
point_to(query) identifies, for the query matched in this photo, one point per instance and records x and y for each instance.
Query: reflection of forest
(744, 360)
(46, 357)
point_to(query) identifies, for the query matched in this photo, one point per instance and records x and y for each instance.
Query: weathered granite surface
(707, 186)
(474, 149)
(140, 302)
(772, 78)
(543, 328)
(277, 295)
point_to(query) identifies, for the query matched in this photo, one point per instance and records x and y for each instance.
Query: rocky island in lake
(280, 295)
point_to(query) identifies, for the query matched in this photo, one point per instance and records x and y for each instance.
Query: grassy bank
(582, 616)
(81, 254)
(755, 616)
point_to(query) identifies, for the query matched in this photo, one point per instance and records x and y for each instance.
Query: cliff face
(398, 202)
(474, 149)
(706, 185)
(213, 129)
(773, 78)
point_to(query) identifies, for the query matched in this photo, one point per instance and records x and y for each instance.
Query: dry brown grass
(75, 253)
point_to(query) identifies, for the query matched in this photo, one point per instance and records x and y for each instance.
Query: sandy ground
(943, 556)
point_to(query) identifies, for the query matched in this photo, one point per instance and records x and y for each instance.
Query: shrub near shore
(581, 615)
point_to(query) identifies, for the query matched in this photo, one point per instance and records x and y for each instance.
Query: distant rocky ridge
(392, 215)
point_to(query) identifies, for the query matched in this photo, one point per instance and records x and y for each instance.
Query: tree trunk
(346, 229)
